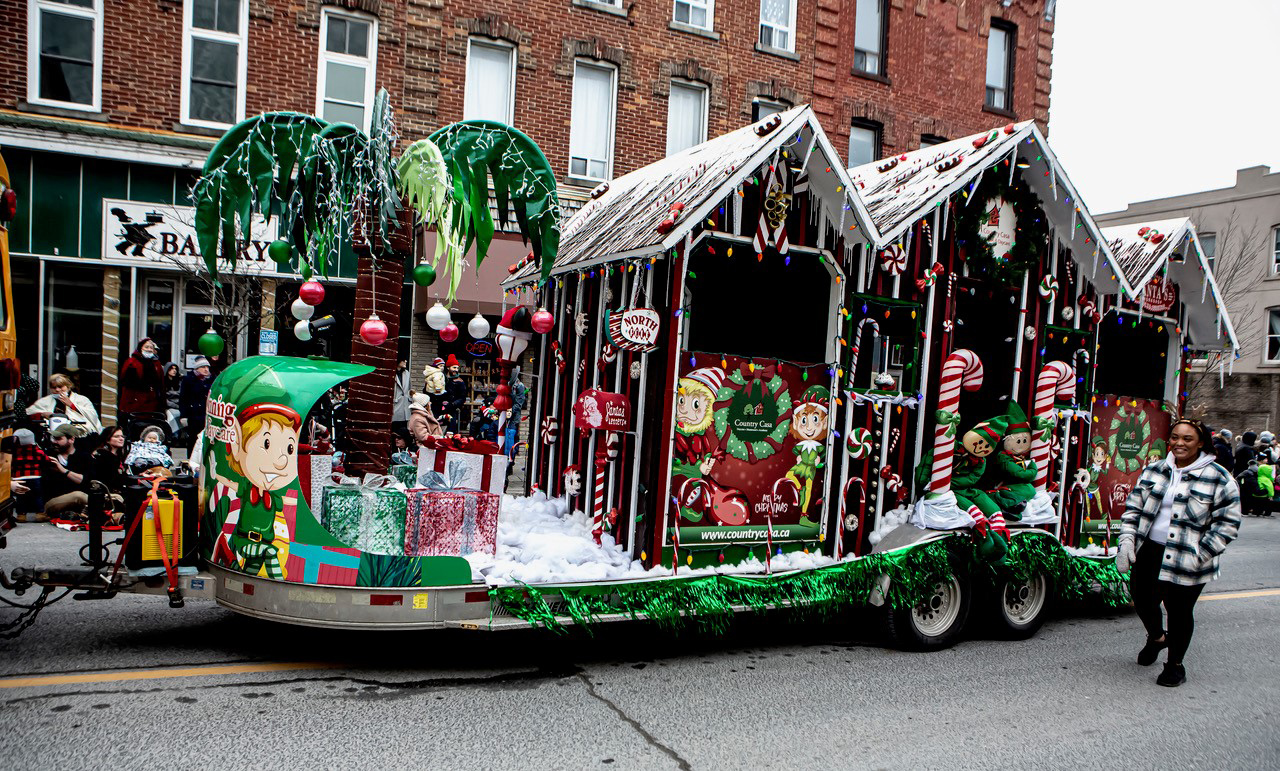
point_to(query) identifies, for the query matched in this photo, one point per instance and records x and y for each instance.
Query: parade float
(760, 381)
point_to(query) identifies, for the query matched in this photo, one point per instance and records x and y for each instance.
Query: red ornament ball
(312, 293)
(374, 330)
(449, 333)
(542, 321)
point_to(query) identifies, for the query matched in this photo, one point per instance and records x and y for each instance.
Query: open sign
(602, 411)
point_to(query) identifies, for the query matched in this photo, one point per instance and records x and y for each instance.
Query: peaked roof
(622, 221)
(1143, 249)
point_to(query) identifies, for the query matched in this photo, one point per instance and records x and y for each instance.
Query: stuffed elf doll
(967, 467)
(1011, 474)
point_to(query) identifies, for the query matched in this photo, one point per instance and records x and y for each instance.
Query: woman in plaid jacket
(1178, 520)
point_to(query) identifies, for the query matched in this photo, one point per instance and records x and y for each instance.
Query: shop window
(25, 274)
(214, 62)
(894, 352)
(65, 45)
(870, 34)
(1132, 360)
(1275, 250)
(763, 108)
(55, 204)
(1000, 47)
(778, 24)
(348, 60)
(686, 116)
(1209, 246)
(591, 132)
(695, 13)
(491, 80)
(1273, 335)
(73, 324)
(864, 143)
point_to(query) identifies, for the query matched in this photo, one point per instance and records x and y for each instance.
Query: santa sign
(1000, 226)
(1159, 295)
(598, 410)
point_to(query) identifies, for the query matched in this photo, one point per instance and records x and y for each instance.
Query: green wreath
(730, 393)
(1130, 437)
(1032, 231)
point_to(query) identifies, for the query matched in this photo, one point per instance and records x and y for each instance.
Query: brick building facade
(120, 100)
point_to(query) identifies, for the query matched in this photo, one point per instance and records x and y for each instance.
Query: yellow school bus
(10, 370)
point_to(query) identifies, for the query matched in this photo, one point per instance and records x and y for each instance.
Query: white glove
(1125, 555)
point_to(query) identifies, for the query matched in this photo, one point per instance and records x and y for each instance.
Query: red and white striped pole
(597, 498)
(1056, 379)
(961, 370)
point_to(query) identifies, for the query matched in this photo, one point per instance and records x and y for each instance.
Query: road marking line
(1240, 595)
(152, 674)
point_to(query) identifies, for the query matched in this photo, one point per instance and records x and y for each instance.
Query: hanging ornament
(438, 317)
(449, 333)
(424, 275)
(312, 293)
(300, 310)
(478, 327)
(635, 370)
(542, 321)
(280, 251)
(302, 330)
(1068, 313)
(859, 443)
(1048, 288)
(893, 260)
(1029, 332)
(211, 343)
(374, 330)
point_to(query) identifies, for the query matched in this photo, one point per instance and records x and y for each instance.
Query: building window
(686, 116)
(778, 24)
(65, 53)
(928, 140)
(695, 13)
(591, 131)
(1275, 250)
(1000, 45)
(491, 79)
(1273, 335)
(869, 37)
(213, 62)
(763, 108)
(1209, 246)
(348, 62)
(864, 143)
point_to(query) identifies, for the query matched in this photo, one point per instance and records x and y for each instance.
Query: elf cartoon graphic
(1099, 461)
(696, 446)
(809, 429)
(262, 455)
(1011, 474)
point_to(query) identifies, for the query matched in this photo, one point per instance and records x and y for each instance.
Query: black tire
(937, 622)
(1018, 609)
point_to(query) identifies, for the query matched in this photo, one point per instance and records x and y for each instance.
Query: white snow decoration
(1092, 550)
(889, 521)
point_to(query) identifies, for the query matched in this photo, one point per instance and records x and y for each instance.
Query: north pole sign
(635, 330)
(597, 410)
(1159, 295)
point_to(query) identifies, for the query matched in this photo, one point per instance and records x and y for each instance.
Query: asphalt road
(141, 685)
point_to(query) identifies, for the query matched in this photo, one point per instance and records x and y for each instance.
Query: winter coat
(141, 384)
(1244, 454)
(423, 424)
(1267, 480)
(172, 388)
(400, 402)
(1222, 450)
(191, 399)
(81, 410)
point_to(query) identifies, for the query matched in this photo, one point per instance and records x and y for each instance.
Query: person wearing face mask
(142, 385)
(63, 401)
(1177, 522)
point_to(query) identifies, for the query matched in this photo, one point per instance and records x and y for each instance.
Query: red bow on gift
(462, 444)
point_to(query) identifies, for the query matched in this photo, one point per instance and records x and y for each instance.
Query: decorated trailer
(760, 381)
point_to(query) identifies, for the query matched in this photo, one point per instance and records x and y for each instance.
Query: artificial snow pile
(1092, 550)
(889, 521)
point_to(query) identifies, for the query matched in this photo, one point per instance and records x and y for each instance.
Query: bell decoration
(478, 327)
(449, 333)
(438, 317)
(374, 330)
(312, 293)
(300, 310)
(302, 330)
(542, 321)
(211, 343)
(424, 275)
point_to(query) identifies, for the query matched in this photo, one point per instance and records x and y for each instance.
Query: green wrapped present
(406, 475)
(369, 516)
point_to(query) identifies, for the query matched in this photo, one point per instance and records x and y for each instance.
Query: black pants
(1149, 592)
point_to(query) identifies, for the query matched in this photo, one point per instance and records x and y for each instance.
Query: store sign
(602, 411)
(635, 330)
(480, 349)
(164, 236)
(1000, 227)
(268, 342)
(1159, 295)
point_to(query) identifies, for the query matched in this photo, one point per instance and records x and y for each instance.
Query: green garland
(1032, 232)
(708, 602)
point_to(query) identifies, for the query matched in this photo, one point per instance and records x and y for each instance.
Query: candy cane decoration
(857, 342)
(607, 354)
(768, 518)
(894, 436)
(851, 524)
(1056, 379)
(559, 355)
(961, 370)
(597, 499)
(859, 443)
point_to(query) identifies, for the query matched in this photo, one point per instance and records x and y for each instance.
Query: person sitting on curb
(62, 482)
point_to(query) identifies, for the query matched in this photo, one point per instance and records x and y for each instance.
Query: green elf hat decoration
(816, 395)
(1016, 421)
(991, 430)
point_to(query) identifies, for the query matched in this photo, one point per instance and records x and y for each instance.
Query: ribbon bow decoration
(1043, 424)
(949, 419)
(448, 480)
(462, 444)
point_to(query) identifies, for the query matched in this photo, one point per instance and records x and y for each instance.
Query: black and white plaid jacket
(1206, 517)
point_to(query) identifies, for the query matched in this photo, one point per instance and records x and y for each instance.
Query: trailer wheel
(1021, 606)
(936, 622)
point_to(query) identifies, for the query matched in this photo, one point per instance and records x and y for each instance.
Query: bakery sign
(597, 410)
(1159, 295)
(999, 226)
(164, 236)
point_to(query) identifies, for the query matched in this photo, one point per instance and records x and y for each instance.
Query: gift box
(314, 471)
(480, 465)
(369, 516)
(405, 475)
(451, 523)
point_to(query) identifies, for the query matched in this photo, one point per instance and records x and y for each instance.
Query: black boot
(1173, 676)
(1147, 656)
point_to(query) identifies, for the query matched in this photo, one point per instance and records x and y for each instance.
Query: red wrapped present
(314, 471)
(465, 464)
(451, 523)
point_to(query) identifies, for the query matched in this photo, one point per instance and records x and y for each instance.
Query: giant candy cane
(857, 343)
(1056, 379)
(962, 369)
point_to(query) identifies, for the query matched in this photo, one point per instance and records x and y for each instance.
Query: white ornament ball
(1068, 313)
(478, 327)
(302, 330)
(438, 317)
(1029, 333)
(301, 310)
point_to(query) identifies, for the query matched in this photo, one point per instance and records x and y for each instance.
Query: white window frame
(706, 105)
(709, 5)
(1266, 342)
(369, 62)
(95, 14)
(242, 40)
(877, 151)
(790, 30)
(1275, 250)
(514, 54)
(613, 118)
(882, 12)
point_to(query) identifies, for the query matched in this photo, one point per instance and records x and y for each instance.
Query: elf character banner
(751, 441)
(1127, 435)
